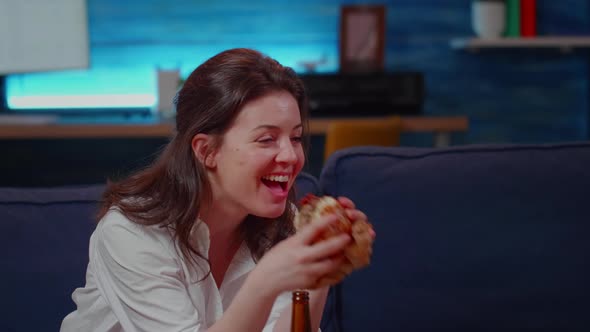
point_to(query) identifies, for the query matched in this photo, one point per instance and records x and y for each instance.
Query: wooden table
(441, 126)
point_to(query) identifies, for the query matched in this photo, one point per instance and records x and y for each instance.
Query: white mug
(488, 18)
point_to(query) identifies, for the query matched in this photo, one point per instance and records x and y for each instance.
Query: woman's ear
(202, 145)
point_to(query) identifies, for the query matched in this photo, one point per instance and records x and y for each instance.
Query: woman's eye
(297, 139)
(266, 140)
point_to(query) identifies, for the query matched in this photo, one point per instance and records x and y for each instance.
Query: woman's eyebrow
(267, 126)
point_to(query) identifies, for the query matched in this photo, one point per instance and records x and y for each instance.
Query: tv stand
(359, 94)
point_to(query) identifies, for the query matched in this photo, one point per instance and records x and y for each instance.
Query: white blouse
(137, 281)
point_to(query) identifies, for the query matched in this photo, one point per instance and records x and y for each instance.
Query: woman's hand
(352, 213)
(297, 262)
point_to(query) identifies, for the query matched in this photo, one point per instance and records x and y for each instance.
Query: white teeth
(277, 178)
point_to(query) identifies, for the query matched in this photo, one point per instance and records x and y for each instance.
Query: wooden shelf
(441, 126)
(563, 43)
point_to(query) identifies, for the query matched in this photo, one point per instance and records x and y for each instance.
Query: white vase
(167, 87)
(488, 18)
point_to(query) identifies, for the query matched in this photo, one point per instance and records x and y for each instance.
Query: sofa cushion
(44, 240)
(469, 238)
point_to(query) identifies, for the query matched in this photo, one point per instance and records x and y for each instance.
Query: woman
(201, 240)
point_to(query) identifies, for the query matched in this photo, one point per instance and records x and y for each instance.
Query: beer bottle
(300, 320)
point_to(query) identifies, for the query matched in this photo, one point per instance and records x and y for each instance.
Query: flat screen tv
(43, 35)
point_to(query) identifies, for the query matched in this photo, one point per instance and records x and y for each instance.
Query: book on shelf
(512, 18)
(528, 18)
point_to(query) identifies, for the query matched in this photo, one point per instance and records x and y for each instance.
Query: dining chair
(346, 133)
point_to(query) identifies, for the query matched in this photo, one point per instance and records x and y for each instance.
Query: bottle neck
(300, 296)
(300, 318)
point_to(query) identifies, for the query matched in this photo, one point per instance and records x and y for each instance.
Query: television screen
(43, 35)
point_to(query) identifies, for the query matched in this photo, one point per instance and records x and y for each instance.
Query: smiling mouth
(276, 183)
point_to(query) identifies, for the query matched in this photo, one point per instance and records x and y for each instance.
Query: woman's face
(259, 158)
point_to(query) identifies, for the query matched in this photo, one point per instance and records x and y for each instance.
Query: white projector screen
(43, 35)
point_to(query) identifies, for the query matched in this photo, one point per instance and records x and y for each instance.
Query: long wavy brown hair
(171, 191)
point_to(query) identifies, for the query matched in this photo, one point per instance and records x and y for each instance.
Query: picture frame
(362, 38)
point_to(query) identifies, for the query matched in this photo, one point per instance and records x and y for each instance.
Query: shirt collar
(241, 263)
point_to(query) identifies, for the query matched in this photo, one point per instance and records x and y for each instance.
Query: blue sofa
(472, 238)
(44, 234)
(477, 238)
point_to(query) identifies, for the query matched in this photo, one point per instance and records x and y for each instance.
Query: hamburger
(357, 254)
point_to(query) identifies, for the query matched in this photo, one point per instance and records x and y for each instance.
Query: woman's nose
(287, 153)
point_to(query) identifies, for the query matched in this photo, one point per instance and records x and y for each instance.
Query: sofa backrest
(468, 238)
(306, 183)
(44, 234)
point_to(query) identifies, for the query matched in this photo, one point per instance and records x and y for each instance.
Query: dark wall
(526, 96)
(52, 162)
